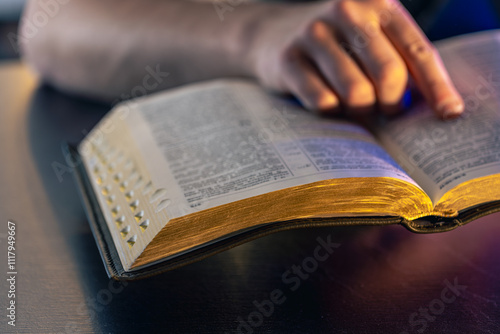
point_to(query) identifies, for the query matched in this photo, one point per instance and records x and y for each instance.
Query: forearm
(104, 48)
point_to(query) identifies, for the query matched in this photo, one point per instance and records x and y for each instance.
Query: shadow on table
(373, 281)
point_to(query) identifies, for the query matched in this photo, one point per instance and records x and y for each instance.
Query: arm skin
(336, 54)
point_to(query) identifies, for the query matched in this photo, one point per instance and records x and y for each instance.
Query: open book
(174, 177)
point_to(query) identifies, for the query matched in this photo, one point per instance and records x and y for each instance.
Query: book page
(224, 141)
(441, 155)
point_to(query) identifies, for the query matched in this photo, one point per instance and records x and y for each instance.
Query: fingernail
(452, 109)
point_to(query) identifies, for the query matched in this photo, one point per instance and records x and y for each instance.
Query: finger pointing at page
(424, 64)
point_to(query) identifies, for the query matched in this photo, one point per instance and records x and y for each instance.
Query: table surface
(379, 279)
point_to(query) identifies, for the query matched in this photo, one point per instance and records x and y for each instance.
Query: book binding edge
(114, 269)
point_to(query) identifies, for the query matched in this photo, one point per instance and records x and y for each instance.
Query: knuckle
(316, 30)
(395, 6)
(390, 5)
(345, 10)
(355, 12)
(385, 3)
(420, 51)
(378, 3)
(342, 7)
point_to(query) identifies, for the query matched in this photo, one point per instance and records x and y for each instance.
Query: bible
(177, 176)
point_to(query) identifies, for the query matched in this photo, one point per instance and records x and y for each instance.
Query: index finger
(424, 63)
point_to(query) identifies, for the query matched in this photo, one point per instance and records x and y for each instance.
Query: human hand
(351, 54)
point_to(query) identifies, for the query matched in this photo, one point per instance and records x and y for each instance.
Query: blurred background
(10, 12)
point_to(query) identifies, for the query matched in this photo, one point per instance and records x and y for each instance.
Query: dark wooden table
(378, 279)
